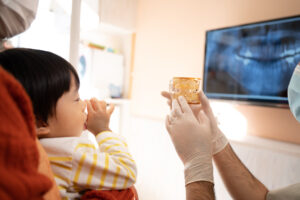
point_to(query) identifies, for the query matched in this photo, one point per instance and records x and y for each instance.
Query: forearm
(239, 181)
(201, 190)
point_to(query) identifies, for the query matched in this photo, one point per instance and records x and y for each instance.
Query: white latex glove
(219, 141)
(192, 141)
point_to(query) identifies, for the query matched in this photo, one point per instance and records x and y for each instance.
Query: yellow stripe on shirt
(110, 146)
(126, 181)
(111, 138)
(122, 152)
(60, 187)
(56, 158)
(85, 145)
(77, 174)
(62, 178)
(92, 169)
(103, 176)
(116, 177)
(124, 164)
(61, 165)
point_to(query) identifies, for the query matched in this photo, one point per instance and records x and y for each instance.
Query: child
(80, 161)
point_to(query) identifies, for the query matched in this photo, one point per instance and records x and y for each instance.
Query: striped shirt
(88, 162)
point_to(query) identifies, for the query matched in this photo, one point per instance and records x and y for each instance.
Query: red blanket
(128, 194)
(18, 152)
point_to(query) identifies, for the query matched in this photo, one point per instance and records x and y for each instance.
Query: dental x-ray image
(252, 62)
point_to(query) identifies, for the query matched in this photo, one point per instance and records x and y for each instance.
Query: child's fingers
(95, 104)
(111, 109)
(89, 107)
(102, 105)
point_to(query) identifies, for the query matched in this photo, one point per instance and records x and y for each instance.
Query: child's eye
(78, 99)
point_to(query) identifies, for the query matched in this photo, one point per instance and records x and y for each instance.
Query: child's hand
(98, 116)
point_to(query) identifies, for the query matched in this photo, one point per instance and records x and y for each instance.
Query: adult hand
(192, 140)
(219, 141)
(195, 107)
(98, 116)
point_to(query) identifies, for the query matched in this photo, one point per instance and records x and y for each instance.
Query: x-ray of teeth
(253, 62)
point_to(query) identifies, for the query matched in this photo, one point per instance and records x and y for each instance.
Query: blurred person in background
(15, 17)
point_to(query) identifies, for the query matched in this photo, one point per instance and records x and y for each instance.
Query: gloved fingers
(195, 108)
(204, 101)
(184, 105)
(168, 123)
(176, 110)
(169, 102)
(166, 94)
(202, 117)
(172, 119)
(206, 106)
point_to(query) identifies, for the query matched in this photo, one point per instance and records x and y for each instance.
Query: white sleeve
(291, 192)
(103, 164)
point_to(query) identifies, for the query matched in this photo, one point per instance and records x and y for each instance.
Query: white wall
(170, 42)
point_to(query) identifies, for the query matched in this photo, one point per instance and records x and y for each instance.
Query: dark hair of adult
(44, 75)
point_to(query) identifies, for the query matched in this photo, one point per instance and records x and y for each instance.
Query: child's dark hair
(44, 75)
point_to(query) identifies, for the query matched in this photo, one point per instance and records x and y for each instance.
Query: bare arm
(201, 190)
(239, 181)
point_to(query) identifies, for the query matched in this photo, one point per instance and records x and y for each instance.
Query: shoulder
(59, 145)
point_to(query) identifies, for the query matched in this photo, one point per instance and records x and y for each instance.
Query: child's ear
(42, 129)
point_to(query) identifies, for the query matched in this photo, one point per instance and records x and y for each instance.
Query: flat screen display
(252, 62)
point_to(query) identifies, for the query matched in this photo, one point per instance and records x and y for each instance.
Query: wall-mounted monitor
(252, 63)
